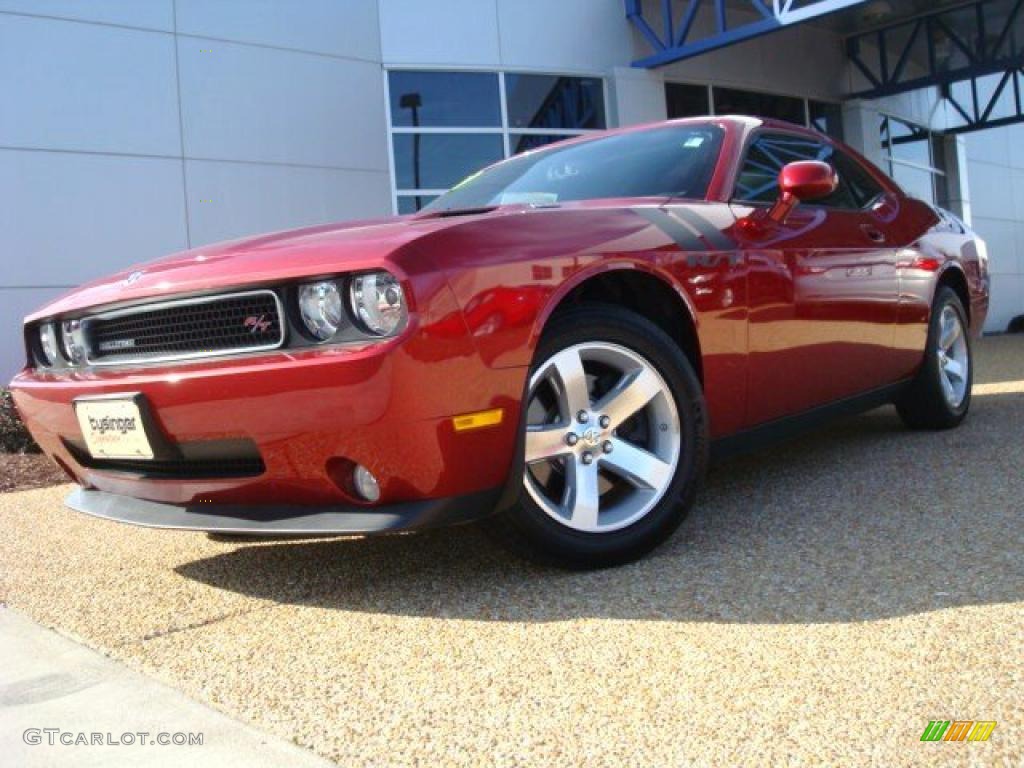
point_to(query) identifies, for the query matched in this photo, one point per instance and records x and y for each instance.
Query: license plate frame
(118, 427)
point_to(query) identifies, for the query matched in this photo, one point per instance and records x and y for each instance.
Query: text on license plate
(113, 429)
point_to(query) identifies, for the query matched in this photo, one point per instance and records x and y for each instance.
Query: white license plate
(113, 428)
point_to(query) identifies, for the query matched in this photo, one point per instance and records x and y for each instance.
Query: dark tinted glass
(439, 160)
(550, 101)
(441, 99)
(523, 142)
(758, 181)
(662, 162)
(827, 118)
(863, 188)
(731, 101)
(686, 100)
(413, 203)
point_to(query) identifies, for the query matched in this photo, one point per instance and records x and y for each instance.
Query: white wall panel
(992, 192)
(334, 27)
(1015, 136)
(247, 199)
(989, 146)
(1003, 246)
(67, 85)
(241, 102)
(564, 35)
(15, 304)
(151, 14)
(1006, 302)
(69, 217)
(441, 32)
(636, 96)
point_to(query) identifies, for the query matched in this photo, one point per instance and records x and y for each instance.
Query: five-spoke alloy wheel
(602, 437)
(614, 441)
(940, 395)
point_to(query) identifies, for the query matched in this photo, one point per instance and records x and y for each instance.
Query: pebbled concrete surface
(825, 600)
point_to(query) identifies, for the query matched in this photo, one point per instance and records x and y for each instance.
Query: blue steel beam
(978, 113)
(991, 42)
(680, 41)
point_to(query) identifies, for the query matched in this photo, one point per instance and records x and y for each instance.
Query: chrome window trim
(170, 303)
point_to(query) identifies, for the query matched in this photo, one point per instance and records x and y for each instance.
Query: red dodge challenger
(557, 344)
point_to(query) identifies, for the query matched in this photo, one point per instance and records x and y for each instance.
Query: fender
(579, 278)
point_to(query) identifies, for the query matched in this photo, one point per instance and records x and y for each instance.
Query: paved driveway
(824, 602)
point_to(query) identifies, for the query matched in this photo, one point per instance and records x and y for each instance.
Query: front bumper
(285, 520)
(310, 415)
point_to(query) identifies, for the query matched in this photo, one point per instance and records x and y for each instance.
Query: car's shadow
(862, 521)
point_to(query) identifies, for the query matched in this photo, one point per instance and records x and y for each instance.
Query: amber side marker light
(468, 421)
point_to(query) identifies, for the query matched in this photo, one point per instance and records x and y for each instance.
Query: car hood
(285, 255)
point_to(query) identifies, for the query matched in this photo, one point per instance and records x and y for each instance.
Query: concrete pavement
(53, 689)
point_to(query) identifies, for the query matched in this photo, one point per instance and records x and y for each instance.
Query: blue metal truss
(681, 41)
(940, 47)
(1001, 105)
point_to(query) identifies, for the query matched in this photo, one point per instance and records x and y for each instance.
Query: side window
(758, 180)
(863, 187)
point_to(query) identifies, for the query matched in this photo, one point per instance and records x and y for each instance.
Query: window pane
(861, 184)
(664, 162)
(441, 99)
(440, 160)
(686, 100)
(827, 118)
(522, 142)
(909, 142)
(550, 101)
(915, 182)
(730, 101)
(413, 203)
(758, 181)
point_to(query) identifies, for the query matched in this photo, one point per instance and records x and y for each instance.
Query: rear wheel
(940, 395)
(614, 441)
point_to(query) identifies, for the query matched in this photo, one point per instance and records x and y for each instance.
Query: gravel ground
(22, 471)
(824, 602)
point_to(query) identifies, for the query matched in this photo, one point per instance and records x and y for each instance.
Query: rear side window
(758, 180)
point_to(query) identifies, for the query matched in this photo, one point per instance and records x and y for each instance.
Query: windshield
(674, 161)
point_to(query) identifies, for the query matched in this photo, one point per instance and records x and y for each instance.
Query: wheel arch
(953, 277)
(639, 288)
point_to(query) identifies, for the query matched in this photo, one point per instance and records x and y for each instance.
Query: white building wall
(134, 128)
(995, 163)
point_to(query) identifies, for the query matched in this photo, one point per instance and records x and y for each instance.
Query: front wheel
(614, 441)
(940, 395)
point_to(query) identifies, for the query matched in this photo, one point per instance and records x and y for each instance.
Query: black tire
(924, 404)
(530, 531)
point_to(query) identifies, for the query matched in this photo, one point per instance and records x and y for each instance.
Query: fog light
(365, 483)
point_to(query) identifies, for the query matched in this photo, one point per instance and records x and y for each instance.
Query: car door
(823, 286)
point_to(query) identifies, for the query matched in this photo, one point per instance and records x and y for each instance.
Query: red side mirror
(800, 181)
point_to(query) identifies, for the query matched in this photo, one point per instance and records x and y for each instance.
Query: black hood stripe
(683, 237)
(711, 235)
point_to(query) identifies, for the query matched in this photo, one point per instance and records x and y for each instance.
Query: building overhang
(971, 50)
(685, 38)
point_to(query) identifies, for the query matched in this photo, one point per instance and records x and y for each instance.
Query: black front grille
(186, 328)
(194, 461)
(180, 469)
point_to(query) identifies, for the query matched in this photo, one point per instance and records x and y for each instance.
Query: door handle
(874, 235)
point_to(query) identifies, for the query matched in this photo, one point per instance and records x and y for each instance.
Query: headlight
(74, 344)
(48, 343)
(378, 302)
(320, 307)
